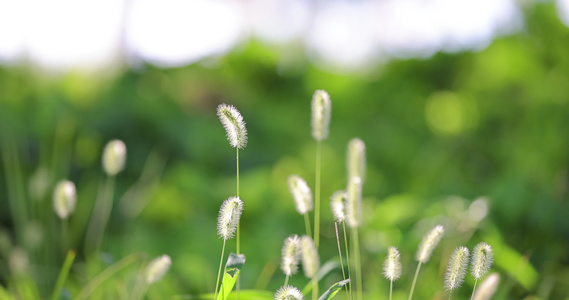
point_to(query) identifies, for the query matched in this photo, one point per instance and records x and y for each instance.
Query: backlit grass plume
(356, 159)
(288, 292)
(64, 198)
(228, 218)
(482, 258)
(114, 157)
(487, 287)
(302, 198)
(392, 267)
(154, 272)
(428, 244)
(456, 269)
(290, 256)
(338, 206)
(354, 202)
(310, 262)
(321, 110)
(234, 125)
(227, 221)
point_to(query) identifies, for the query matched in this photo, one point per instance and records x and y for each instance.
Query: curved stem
(391, 290)
(357, 262)
(340, 254)
(63, 274)
(347, 257)
(474, 289)
(414, 281)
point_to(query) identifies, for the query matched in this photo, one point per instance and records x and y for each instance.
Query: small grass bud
(354, 202)
(157, 268)
(321, 110)
(392, 265)
(356, 159)
(301, 194)
(64, 198)
(234, 125)
(429, 243)
(310, 259)
(229, 215)
(114, 157)
(290, 255)
(338, 205)
(487, 287)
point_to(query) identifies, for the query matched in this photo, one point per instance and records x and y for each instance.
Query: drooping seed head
(456, 269)
(321, 109)
(157, 268)
(354, 202)
(300, 193)
(234, 125)
(288, 293)
(228, 218)
(338, 205)
(487, 287)
(356, 159)
(290, 255)
(392, 265)
(429, 243)
(64, 198)
(482, 258)
(114, 157)
(310, 259)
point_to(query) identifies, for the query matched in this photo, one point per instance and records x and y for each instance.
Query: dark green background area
(439, 133)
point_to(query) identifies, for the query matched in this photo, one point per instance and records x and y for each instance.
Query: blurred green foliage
(439, 133)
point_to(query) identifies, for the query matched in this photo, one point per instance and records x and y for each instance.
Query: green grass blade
(63, 274)
(232, 268)
(334, 289)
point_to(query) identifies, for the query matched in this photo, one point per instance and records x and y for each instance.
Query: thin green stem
(65, 240)
(414, 281)
(315, 287)
(106, 274)
(63, 274)
(449, 294)
(347, 257)
(317, 195)
(357, 262)
(100, 217)
(474, 289)
(219, 272)
(143, 290)
(238, 236)
(307, 224)
(286, 281)
(340, 254)
(391, 290)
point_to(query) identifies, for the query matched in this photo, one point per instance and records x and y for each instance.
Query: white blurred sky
(93, 34)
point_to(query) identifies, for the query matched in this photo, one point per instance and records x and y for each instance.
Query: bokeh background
(463, 106)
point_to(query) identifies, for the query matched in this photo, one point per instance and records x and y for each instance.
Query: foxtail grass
(154, 272)
(426, 248)
(302, 199)
(338, 207)
(229, 215)
(487, 287)
(288, 292)
(456, 269)
(291, 254)
(310, 262)
(321, 111)
(482, 258)
(392, 268)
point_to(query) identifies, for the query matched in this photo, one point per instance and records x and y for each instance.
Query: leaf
(334, 289)
(232, 268)
(323, 271)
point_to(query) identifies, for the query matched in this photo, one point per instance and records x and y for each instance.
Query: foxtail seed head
(310, 259)
(321, 109)
(157, 268)
(338, 205)
(234, 125)
(114, 157)
(356, 160)
(482, 258)
(456, 269)
(288, 292)
(392, 265)
(354, 202)
(300, 193)
(64, 198)
(487, 288)
(429, 243)
(228, 218)
(290, 255)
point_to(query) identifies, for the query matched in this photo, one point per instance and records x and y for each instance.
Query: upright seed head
(310, 259)
(354, 202)
(64, 198)
(482, 258)
(392, 265)
(356, 160)
(234, 125)
(228, 218)
(157, 268)
(114, 157)
(321, 109)
(429, 243)
(456, 269)
(290, 255)
(338, 205)
(487, 287)
(300, 193)
(288, 293)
